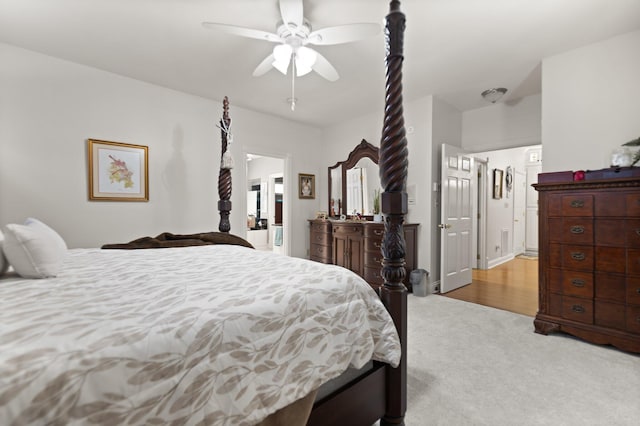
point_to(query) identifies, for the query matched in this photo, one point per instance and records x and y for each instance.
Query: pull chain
(293, 82)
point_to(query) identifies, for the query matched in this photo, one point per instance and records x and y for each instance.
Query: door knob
(444, 226)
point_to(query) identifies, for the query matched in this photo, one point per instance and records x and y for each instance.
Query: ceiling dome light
(494, 95)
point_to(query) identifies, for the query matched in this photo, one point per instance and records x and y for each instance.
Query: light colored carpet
(473, 365)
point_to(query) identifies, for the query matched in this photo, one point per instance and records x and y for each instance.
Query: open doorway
(265, 204)
(507, 204)
(505, 267)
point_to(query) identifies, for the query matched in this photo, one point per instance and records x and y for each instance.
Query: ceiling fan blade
(324, 68)
(291, 12)
(242, 31)
(343, 33)
(264, 66)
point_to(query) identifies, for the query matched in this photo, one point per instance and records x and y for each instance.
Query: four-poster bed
(203, 331)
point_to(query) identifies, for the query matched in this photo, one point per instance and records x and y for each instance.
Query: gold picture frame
(117, 171)
(306, 186)
(497, 184)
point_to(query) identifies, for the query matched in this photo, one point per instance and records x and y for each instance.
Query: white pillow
(32, 251)
(4, 263)
(35, 223)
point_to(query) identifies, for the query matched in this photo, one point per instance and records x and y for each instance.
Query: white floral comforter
(214, 335)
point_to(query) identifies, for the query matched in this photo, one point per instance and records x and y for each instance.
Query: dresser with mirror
(349, 237)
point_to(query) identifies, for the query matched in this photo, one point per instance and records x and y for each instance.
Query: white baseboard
(499, 261)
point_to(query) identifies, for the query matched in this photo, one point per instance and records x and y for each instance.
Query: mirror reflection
(353, 182)
(362, 181)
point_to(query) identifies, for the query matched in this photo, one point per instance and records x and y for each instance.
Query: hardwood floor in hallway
(512, 286)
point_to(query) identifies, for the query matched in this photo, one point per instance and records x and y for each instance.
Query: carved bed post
(393, 176)
(224, 176)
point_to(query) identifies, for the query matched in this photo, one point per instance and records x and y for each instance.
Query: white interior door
(531, 244)
(456, 244)
(519, 211)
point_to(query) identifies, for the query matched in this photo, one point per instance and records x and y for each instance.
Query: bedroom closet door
(456, 244)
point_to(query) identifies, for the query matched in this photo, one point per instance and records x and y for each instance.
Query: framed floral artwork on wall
(118, 171)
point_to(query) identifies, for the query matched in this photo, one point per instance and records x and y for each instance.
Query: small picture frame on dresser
(321, 215)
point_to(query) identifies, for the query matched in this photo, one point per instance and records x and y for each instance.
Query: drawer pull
(577, 204)
(578, 309)
(378, 232)
(577, 282)
(577, 229)
(577, 255)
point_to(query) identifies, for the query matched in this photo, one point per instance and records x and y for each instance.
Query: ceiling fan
(292, 36)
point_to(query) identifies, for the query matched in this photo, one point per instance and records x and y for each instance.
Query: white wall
(503, 125)
(50, 107)
(590, 103)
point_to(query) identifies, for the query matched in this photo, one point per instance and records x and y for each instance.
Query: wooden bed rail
(393, 177)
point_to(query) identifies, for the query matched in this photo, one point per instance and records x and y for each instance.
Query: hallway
(512, 286)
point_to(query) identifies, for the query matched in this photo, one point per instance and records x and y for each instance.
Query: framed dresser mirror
(353, 182)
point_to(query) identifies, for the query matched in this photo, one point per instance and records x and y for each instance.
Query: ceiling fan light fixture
(282, 55)
(305, 59)
(494, 95)
(283, 67)
(293, 33)
(301, 69)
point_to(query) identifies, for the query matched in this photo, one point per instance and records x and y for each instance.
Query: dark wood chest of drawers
(357, 246)
(589, 276)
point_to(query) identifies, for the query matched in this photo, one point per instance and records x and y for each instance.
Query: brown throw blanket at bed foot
(167, 239)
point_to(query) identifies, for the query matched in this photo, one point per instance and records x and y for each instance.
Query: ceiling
(454, 49)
